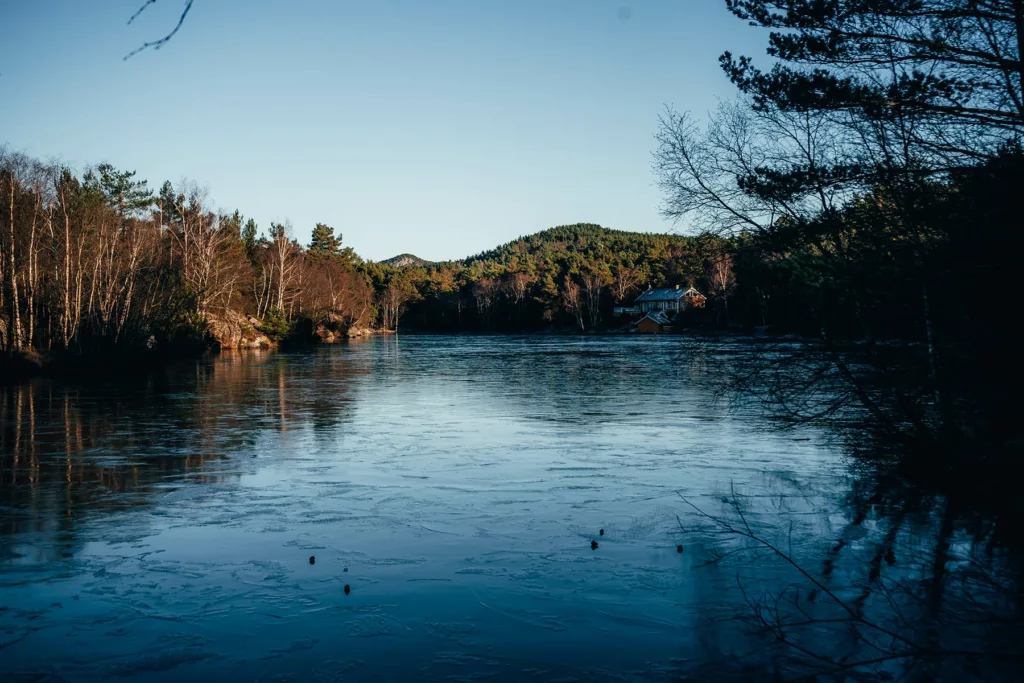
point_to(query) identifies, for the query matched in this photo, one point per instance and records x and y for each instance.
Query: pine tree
(249, 232)
(168, 204)
(323, 243)
(946, 74)
(128, 196)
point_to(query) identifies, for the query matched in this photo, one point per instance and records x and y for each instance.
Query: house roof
(658, 317)
(667, 294)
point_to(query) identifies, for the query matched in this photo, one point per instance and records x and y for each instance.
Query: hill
(569, 277)
(406, 260)
(588, 240)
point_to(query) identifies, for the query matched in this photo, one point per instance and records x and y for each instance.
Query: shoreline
(24, 366)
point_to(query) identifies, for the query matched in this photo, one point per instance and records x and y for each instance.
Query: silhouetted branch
(870, 641)
(140, 11)
(157, 44)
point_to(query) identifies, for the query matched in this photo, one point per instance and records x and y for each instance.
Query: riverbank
(228, 332)
(117, 362)
(239, 332)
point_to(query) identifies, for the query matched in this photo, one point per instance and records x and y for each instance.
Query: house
(671, 299)
(694, 298)
(653, 323)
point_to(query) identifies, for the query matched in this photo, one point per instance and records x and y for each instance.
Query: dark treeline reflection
(68, 450)
(911, 570)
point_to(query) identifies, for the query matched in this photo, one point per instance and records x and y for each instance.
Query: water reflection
(74, 450)
(161, 526)
(913, 572)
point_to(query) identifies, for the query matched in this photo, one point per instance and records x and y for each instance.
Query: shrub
(276, 326)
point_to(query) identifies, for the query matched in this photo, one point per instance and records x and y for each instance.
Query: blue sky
(436, 127)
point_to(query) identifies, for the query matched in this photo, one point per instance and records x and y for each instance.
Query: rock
(334, 328)
(232, 330)
(323, 334)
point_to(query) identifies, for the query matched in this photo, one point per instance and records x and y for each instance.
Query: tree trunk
(14, 336)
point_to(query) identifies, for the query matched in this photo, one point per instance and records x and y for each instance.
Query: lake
(163, 528)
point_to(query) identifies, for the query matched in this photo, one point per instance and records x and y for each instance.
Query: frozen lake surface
(161, 528)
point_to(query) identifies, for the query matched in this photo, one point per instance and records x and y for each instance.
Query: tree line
(567, 278)
(97, 261)
(869, 180)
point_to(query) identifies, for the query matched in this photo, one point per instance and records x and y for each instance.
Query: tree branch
(157, 44)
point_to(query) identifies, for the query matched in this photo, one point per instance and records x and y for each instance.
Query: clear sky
(437, 127)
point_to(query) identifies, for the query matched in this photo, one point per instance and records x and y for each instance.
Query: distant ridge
(581, 238)
(590, 239)
(406, 260)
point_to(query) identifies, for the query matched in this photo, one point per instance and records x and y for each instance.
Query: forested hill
(567, 277)
(406, 260)
(588, 241)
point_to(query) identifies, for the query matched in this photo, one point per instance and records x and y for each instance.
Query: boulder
(333, 328)
(353, 332)
(232, 330)
(324, 334)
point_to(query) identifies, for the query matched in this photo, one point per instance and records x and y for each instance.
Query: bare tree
(485, 291)
(518, 285)
(284, 258)
(393, 301)
(262, 282)
(67, 253)
(210, 266)
(593, 287)
(722, 277)
(572, 300)
(714, 178)
(625, 281)
(11, 169)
